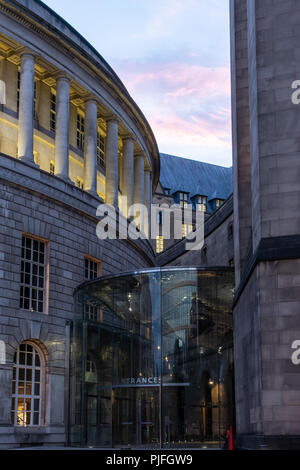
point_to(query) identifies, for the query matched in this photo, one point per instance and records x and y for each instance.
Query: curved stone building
(71, 138)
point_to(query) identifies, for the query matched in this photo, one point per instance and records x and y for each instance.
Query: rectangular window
(183, 199)
(33, 275)
(34, 100)
(219, 202)
(52, 111)
(52, 168)
(202, 203)
(186, 228)
(92, 268)
(92, 312)
(79, 182)
(18, 90)
(80, 131)
(100, 150)
(159, 243)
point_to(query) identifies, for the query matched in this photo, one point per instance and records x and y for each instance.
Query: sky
(173, 58)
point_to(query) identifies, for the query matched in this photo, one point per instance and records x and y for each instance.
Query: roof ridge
(194, 161)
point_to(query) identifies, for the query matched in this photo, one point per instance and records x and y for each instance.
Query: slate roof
(194, 177)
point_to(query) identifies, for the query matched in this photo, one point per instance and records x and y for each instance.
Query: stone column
(90, 147)
(139, 184)
(25, 134)
(147, 186)
(62, 127)
(111, 178)
(128, 171)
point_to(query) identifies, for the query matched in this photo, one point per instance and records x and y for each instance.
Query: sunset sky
(173, 57)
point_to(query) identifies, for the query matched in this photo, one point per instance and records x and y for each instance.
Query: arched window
(27, 386)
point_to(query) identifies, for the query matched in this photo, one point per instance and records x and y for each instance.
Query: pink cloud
(186, 103)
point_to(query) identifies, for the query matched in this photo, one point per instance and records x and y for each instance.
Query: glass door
(135, 416)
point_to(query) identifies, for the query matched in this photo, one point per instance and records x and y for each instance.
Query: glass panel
(157, 369)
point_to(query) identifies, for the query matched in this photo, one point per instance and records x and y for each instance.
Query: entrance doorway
(135, 416)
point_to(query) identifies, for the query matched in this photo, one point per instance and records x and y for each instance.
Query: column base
(65, 178)
(30, 161)
(261, 442)
(92, 192)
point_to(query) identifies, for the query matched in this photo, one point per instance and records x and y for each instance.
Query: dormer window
(183, 199)
(219, 202)
(201, 203)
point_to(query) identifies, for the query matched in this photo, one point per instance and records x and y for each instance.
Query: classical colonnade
(136, 179)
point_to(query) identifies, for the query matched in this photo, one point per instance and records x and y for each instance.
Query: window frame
(100, 150)
(23, 284)
(159, 244)
(201, 203)
(52, 122)
(32, 396)
(80, 124)
(97, 261)
(183, 199)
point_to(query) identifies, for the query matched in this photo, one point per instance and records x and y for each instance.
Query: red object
(231, 439)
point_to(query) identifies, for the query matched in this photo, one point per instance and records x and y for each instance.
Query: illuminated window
(52, 167)
(34, 99)
(183, 199)
(52, 111)
(18, 90)
(26, 386)
(100, 150)
(201, 203)
(33, 275)
(186, 228)
(219, 202)
(159, 243)
(80, 131)
(92, 269)
(79, 182)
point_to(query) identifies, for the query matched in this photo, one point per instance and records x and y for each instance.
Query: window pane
(23, 389)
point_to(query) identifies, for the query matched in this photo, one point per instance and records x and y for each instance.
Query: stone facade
(265, 37)
(51, 185)
(41, 205)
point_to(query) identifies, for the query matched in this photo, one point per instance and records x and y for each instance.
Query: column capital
(128, 138)
(112, 119)
(28, 52)
(62, 76)
(139, 155)
(91, 98)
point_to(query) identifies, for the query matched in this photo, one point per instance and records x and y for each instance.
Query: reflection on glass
(155, 368)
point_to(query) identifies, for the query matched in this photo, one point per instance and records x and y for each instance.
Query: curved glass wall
(152, 361)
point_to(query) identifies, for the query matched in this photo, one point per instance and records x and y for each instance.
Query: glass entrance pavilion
(152, 360)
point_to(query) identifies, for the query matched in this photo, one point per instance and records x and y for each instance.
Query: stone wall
(39, 204)
(266, 309)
